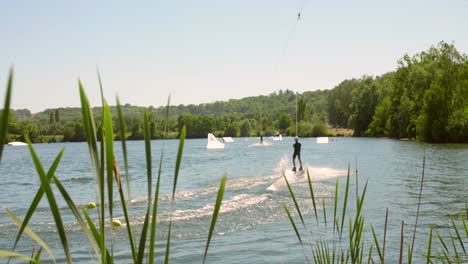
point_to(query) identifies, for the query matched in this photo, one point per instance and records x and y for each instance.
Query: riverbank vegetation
(425, 98)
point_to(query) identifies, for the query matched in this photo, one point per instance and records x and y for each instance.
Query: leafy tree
(245, 128)
(284, 121)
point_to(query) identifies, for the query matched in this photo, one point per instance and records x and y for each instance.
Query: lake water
(252, 226)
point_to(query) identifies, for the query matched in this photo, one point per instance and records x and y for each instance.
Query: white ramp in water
(213, 143)
(17, 143)
(228, 139)
(322, 140)
(278, 138)
(261, 144)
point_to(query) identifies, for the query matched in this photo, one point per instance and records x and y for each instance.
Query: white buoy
(116, 222)
(91, 205)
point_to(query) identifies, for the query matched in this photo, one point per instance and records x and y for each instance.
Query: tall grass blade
(179, 158)
(37, 199)
(429, 248)
(31, 234)
(131, 238)
(377, 246)
(455, 228)
(180, 151)
(345, 202)
(402, 234)
(419, 203)
(77, 215)
(410, 255)
(465, 227)
(155, 212)
(324, 213)
(90, 131)
(335, 208)
(8, 254)
(442, 242)
(149, 165)
(219, 199)
(357, 178)
(291, 193)
(455, 250)
(168, 244)
(385, 236)
(45, 183)
(37, 258)
(109, 146)
(369, 258)
(6, 112)
(102, 189)
(311, 189)
(149, 176)
(295, 229)
(123, 140)
(156, 195)
(96, 235)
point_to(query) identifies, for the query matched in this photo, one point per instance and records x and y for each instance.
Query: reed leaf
(419, 203)
(37, 257)
(123, 140)
(156, 195)
(442, 242)
(311, 189)
(90, 132)
(109, 148)
(295, 229)
(465, 227)
(77, 215)
(345, 202)
(410, 254)
(180, 151)
(335, 208)
(45, 183)
(30, 233)
(455, 228)
(291, 193)
(96, 235)
(155, 212)
(219, 199)
(8, 254)
(324, 213)
(149, 165)
(377, 246)
(6, 112)
(128, 226)
(402, 234)
(37, 199)
(455, 250)
(149, 176)
(429, 248)
(385, 236)
(168, 243)
(183, 133)
(369, 258)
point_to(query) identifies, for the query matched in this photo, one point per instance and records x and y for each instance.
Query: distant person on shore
(261, 139)
(297, 152)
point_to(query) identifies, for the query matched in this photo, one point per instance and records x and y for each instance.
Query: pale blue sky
(201, 51)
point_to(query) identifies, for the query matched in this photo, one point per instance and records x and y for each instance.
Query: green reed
(351, 249)
(107, 176)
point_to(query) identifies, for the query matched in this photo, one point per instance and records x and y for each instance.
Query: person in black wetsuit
(297, 152)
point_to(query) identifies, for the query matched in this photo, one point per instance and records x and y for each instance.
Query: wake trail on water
(316, 174)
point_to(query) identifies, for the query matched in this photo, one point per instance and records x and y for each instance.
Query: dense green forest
(425, 98)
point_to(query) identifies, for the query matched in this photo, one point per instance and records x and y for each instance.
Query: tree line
(425, 98)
